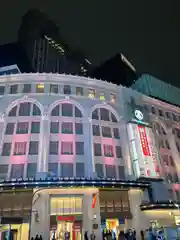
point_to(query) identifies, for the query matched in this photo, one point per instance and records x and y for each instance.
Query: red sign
(94, 198)
(66, 218)
(144, 141)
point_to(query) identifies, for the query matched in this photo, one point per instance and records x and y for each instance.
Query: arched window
(106, 144)
(167, 161)
(66, 141)
(21, 140)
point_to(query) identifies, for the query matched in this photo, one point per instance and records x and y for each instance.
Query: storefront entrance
(67, 230)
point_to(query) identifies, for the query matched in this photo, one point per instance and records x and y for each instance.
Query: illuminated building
(80, 153)
(45, 49)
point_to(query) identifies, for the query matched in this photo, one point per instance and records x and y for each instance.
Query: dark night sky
(146, 32)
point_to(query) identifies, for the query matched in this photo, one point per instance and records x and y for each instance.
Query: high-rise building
(80, 154)
(117, 70)
(13, 69)
(45, 49)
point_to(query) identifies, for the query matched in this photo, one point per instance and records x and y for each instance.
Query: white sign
(139, 115)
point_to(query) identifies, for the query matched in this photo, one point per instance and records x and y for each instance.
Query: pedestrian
(93, 236)
(37, 237)
(86, 235)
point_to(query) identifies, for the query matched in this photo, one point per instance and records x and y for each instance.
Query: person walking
(86, 235)
(93, 236)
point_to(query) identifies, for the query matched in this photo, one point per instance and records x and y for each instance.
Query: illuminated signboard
(139, 117)
(144, 141)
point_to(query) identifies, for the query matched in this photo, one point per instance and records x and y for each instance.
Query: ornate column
(44, 144)
(91, 216)
(88, 148)
(1, 128)
(139, 219)
(40, 218)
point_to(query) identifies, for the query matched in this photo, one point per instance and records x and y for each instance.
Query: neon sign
(144, 141)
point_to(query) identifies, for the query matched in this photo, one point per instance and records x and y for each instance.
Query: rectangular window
(53, 147)
(106, 132)
(80, 170)
(35, 127)
(33, 147)
(10, 128)
(26, 88)
(67, 128)
(53, 169)
(40, 88)
(91, 93)
(153, 110)
(17, 170)
(79, 128)
(24, 109)
(102, 96)
(99, 170)
(22, 128)
(66, 148)
(97, 149)
(96, 130)
(67, 110)
(168, 115)
(116, 133)
(54, 128)
(20, 148)
(160, 113)
(110, 171)
(121, 172)
(118, 152)
(54, 88)
(174, 117)
(67, 89)
(79, 91)
(104, 113)
(6, 150)
(66, 170)
(112, 98)
(2, 90)
(13, 89)
(79, 148)
(3, 171)
(108, 150)
(31, 170)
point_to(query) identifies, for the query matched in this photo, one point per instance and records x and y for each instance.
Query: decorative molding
(45, 116)
(67, 97)
(1, 117)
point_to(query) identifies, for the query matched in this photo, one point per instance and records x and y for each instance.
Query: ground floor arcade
(55, 211)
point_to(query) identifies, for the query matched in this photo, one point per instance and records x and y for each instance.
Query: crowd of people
(37, 237)
(123, 235)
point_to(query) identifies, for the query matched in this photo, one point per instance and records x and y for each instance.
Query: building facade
(80, 154)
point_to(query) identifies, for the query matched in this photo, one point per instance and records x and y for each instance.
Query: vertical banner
(94, 198)
(144, 141)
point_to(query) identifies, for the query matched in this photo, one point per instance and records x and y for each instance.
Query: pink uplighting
(67, 158)
(18, 159)
(109, 160)
(21, 138)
